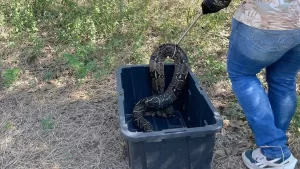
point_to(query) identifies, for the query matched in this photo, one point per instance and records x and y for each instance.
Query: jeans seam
(259, 45)
(233, 38)
(297, 35)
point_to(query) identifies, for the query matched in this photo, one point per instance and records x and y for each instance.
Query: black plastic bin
(182, 142)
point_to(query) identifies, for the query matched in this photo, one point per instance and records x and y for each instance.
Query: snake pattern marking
(160, 103)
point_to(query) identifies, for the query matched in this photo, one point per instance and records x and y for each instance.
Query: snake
(161, 100)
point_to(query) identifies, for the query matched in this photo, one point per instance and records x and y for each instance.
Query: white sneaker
(254, 159)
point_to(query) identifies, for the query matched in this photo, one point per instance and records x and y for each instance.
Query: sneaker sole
(250, 165)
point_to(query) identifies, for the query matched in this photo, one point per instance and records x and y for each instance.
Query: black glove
(213, 6)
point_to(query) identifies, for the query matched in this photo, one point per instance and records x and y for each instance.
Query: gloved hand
(213, 6)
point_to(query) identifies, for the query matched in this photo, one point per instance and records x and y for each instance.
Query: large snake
(160, 103)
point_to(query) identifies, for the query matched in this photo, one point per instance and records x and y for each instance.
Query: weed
(81, 61)
(8, 126)
(48, 75)
(47, 123)
(9, 76)
(33, 52)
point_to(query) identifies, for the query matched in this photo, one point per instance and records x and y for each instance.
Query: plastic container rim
(168, 133)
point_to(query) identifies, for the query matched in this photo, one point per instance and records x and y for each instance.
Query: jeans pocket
(273, 40)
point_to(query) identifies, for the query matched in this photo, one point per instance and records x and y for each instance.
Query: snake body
(160, 103)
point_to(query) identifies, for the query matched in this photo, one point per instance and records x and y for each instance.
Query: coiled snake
(160, 103)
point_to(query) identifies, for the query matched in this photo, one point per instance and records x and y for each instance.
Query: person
(265, 34)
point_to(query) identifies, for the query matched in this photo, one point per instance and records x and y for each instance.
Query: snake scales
(160, 103)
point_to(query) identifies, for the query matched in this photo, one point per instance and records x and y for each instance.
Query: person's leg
(281, 78)
(251, 50)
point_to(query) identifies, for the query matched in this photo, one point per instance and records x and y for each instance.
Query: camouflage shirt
(270, 14)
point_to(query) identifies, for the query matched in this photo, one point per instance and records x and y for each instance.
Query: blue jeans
(268, 113)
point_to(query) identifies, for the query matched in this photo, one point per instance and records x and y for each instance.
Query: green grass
(295, 125)
(103, 35)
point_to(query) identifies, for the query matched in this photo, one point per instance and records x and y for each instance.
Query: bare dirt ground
(66, 126)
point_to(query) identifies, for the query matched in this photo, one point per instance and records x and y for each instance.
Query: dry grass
(85, 128)
(84, 134)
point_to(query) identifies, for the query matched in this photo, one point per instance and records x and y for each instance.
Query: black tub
(182, 142)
